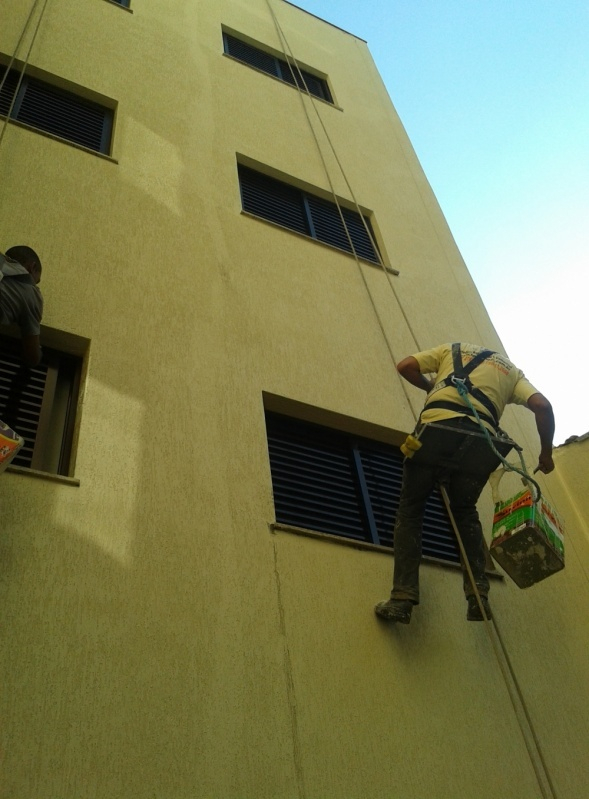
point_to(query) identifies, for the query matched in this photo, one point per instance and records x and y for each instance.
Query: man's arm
(409, 369)
(31, 350)
(542, 410)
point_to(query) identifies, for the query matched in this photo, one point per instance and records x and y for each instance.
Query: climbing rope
(460, 385)
(299, 82)
(26, 61)
(541, 771)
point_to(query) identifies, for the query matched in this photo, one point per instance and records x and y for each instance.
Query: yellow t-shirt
(500, 380)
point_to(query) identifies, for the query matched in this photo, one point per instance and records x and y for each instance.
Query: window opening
(56, 111)
(305, 213)
(337, 483)
(40, 404)
(259, 59)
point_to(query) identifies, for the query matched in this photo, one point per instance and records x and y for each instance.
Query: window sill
(276, 527)
(24, 125)
(54, 478)
(331, 247)
(125, 8)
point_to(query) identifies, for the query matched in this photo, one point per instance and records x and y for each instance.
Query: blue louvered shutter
(317, 484)
(328, 227)
(40, 404)
(288, 206)
(383, 472)
(313, 479)
(277, 67)
(60, 112)
(251, 55)
(21, 397)
(273, 200)
(8, 89)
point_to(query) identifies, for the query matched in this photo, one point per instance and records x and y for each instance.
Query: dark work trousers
(463, 492)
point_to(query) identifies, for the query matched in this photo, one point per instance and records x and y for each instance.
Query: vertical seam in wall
(290, 686)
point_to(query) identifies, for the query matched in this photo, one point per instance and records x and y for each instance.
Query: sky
(494, 95)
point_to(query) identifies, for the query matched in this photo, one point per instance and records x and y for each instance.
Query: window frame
(311, 207)
(51, 449)
(285, 71)
(30, 81)
(372, 513)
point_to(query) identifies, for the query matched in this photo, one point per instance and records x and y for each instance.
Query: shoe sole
(400, 618)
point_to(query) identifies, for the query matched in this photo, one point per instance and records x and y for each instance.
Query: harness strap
(463, 372)
(462, 409)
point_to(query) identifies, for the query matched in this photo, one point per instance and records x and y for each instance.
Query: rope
(25, 64)
(300, 80)
(460, 386)
(292, 61)
(506, 671)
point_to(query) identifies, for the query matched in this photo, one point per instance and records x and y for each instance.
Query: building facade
(238, 243)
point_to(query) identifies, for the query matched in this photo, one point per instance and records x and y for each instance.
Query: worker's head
(28, 258)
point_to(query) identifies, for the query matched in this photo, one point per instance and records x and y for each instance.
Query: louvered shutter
(8, 89)
(278, 202)
(21, 397)
(317, 484)
(383, 471)
(251, 55)
(328, 227)
(272, 200)
(56, 111)
(313, 479)
(277, 67)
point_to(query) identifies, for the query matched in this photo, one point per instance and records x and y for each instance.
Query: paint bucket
(527, 539)
(10, 444)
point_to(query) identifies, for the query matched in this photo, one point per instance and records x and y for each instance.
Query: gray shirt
(21, 302)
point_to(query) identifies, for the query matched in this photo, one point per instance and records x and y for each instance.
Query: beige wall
(158, 639)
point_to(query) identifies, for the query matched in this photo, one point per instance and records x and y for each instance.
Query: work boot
(474, 612)
(395, 610)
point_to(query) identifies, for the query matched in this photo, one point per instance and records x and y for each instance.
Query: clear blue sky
(494, 95)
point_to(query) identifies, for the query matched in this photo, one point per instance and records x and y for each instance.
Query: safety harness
(461, 373)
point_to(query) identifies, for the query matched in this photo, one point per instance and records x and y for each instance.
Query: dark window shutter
(56, 111)
(277, 67)
(328, 227)
(317, 485)
(313, 479)
(278, 202)
(21, 397)
(305, 81)
(8, 89)
(40, 404)
(272, 200)
(251, 55)
(383, 471)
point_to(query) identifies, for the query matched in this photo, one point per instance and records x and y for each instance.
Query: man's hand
(545, 463)
(542, 410)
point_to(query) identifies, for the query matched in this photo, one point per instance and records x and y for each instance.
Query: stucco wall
(158, 639)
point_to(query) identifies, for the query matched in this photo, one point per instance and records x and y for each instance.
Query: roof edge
(326, 21)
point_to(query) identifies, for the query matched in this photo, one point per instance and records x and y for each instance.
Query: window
(40, 404)
(333, 482)
(286, 72)
(307, 214)
(57, 111)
